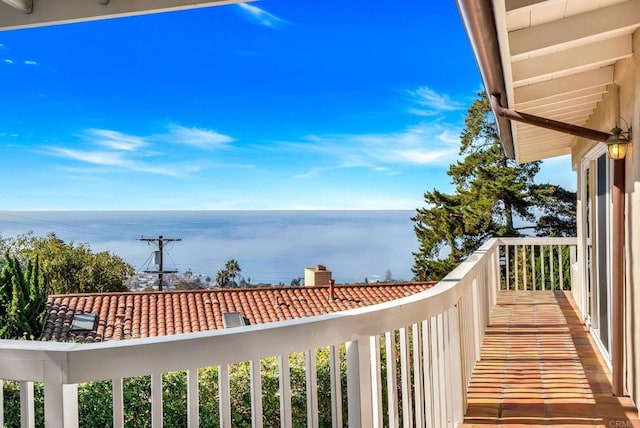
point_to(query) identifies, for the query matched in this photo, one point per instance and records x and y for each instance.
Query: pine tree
(494, 196)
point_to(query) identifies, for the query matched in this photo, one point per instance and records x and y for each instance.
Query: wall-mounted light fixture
(619, 141)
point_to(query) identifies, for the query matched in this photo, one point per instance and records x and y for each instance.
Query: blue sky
(268, 105)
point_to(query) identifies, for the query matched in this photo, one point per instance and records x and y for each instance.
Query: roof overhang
(16, 14)
(549, 58)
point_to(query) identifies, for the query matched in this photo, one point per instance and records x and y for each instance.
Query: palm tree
(233, 268)
(222, 278)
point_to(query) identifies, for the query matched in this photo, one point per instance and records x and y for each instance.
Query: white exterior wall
(625, 103)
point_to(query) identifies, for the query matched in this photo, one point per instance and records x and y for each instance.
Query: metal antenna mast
(158, 256)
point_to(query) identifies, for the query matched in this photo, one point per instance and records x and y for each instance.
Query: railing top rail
(534, 240)
(25, 360)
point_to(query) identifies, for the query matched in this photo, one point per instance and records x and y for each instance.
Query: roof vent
(84, 322)
(234, 319)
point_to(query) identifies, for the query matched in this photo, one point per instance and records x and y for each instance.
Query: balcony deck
(519, 357)
(539, 367)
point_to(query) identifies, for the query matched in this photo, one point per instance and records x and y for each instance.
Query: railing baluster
(438, 377)
(336, 387)
(507, 263)
(27, 412)
(448, 367)
(285, 391)
(517, 266)
(392, 385)
(524, 268)
(533, 268)
(417, 375)
(256, 394)
(376, 381)
(193, 410)
(311, 387)
(551, 275)
(70, 400)
(427, 373)
(560, 267)
(458, 387)
(1, 403)
(156, 400)
(542, 274)
(118, 403)
(476, 319)
(225, 396)
(405, 378)
(359, 382)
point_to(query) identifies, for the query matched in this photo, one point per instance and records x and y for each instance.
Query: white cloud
(92, 157)
(8, 61)
(202, 138)
(109, 148)
(30, 62)
(423, 144)
(430, 102)
(116, 140)
(119, 160)
(263, 17)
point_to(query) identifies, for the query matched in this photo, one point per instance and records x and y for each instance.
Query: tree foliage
(494, 196)
(23, 299)
(68, 267)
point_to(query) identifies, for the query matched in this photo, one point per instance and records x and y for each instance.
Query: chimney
(317, 276)
(332, 290)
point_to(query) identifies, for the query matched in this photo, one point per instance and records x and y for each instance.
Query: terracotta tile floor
(539, 368)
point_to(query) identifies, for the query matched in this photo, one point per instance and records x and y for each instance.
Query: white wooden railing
(408, 362)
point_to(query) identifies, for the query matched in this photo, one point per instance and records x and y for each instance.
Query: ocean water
(270, 246)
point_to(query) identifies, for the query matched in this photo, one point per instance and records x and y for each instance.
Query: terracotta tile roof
(148, 314)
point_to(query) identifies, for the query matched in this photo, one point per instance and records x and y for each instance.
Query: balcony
(499, 339)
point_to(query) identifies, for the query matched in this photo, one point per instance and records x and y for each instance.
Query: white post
(524, 267)
(60, 400)
(156, 400)
(27, 411)
(427, 372)
(117, 402)
(256, 394)
(193, 411)
(312, 388)
(71, 415)
(448, 368)
(533, 268)
(517, 266)
(560, 269)
(437, 371)
(1, 403)
(336, 387)
(376, 381)
(285, 391)
(359, 383)
(544, 282)
(417, 375)
(552, 280)
(392, 385)
(458, 388)
(225, 396)
(405, 378)
(506, 265)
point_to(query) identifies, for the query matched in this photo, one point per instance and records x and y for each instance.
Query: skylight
(84, 322)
